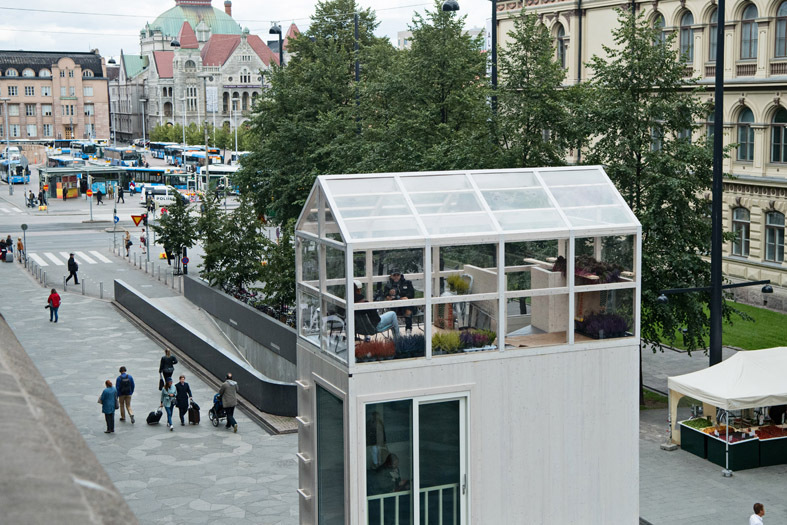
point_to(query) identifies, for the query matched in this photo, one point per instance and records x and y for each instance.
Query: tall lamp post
(276, 30)
(112, 107)
(143, 101)
(5, 100)
(453, 5)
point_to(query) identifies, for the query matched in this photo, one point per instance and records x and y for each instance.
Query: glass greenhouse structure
(436, 265)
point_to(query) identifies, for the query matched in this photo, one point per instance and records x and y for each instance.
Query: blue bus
(63, 161)
(17, 173)
(174, 154)
(85, 149)
(157, 149)
(154, 176)
(123, 156)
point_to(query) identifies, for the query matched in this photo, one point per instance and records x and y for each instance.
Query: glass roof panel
(522, 179)
(445, 202)
(592, 195)
(573, 177)
(458, 223)
(530, 220)
(382, 228)
(372, 205)
(599, 216)
(517, 199)
(362, 186)
(435, 183)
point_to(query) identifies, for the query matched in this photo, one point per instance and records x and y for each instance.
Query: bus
(197, 158)
(157, 149)
(220, 178)
(174, 154)
(123, 156)
(18, 173)
(154, 176)
(235, 156)
(85, 149)
(63, 161)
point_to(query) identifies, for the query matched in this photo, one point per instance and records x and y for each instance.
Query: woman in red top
(53, 303)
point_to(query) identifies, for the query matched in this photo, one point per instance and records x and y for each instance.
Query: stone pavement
(196, 474)
(658, 366)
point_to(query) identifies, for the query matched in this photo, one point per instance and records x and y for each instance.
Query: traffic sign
(24, 227)
(89, 193)
(137, 219)
(185, 260)
(46, 187)
(117, 219)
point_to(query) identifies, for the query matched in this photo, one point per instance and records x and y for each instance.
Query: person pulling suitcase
(182, 398)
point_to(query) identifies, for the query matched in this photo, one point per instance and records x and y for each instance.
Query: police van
(161, 195)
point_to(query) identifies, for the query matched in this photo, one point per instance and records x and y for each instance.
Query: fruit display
(771, 432)
(697, 424)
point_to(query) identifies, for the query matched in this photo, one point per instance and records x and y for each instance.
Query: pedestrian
(120, 195)
(759, 512)
(127, 241)
(20, 248)
(183, 397)
(9, 241)
(31, 199)
(109, 403)
(132, 188)
(42, 197)
(99, 196)
(168, 394)
(167, 364)
(142, 241)
(229, 399)
(53, 303)
(73, 268)
(125, 387)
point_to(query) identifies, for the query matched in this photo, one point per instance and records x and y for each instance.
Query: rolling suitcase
(194, 414)
(154, 417)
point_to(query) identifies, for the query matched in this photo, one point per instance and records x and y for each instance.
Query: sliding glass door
(416, 446)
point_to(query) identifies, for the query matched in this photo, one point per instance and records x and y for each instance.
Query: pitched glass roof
(451, 206)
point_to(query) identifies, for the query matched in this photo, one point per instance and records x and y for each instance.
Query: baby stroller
(217, 412)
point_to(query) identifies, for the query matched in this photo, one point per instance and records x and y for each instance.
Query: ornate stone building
(196, 64)
(755, 113)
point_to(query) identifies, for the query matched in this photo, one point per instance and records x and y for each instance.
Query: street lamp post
(142, 101)
(276, 30)
(6, 131)
(234, 112)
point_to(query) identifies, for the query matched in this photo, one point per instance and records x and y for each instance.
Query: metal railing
(393, 498)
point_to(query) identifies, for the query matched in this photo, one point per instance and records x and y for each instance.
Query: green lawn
(768, 329)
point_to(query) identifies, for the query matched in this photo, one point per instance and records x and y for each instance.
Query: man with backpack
(125, 389)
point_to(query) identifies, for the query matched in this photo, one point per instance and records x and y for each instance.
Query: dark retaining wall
(268, 395)
(270, 333)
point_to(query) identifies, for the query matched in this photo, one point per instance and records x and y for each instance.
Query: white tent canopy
(748, 379)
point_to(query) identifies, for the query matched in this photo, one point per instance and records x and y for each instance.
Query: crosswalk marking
(99, 256)
(54, 259)
(38, 259)
(12, 209)
(65, 255)
(84, 258)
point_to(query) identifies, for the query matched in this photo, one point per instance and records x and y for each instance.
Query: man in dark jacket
(120, 194)
(73, 268)
(229, 399)
(125, 387)
(397, 288)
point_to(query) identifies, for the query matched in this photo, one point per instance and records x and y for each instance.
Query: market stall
(745, 388)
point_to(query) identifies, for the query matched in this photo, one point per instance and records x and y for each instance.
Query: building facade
(196, 65)
(53, 95)
(755, 115)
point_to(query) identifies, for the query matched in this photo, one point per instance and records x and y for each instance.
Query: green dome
(220, 23)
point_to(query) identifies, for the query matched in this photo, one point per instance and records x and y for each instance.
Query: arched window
(745, 136)
(87, 73)
(779, 136)
(740, 227)
(749, 33)
(774, 237)
(561, 46)
(713, 27)
(781, 30)
(28, 73)
(687, 37)
(190, 65)
(45, 73)
(658, 26)
(11, 72)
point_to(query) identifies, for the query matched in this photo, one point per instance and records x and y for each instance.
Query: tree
(278, 273)
(176, 229)
(534, 122)
(239, 248)
(641, 111)
(302, 123)
(210, 226)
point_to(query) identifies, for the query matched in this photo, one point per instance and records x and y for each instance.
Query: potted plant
(589, 268)
(477, 340)
(602, 325)
(410, 346)
(374, 351)
(446, 343)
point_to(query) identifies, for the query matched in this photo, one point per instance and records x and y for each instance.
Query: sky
(75, 26)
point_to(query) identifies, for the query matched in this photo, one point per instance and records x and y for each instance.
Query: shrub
(601, 325)
(448, 342)
(411, 346)
(457, 284)
(477, 338)
(374, 350)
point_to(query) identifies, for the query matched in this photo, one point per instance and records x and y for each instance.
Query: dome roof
(193, 11)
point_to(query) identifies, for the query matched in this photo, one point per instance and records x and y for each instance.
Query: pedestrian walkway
(61, 258)
(195, 474)
(10, 210)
